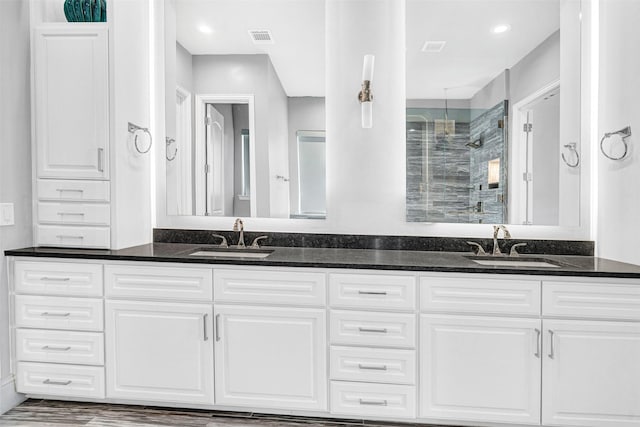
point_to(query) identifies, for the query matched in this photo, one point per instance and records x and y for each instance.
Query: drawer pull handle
(537, 353)
(47, 314)
(71, 213)
(48, 347)
(55, 279)
(376, 330)
(372, 292)
(70, 189)
(48, 381)
(551, 349)
(373, 402)
(67, 236)
(373, 367)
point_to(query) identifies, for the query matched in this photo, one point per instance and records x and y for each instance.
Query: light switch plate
(6, 214)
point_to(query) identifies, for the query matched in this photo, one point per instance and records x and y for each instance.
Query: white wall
(618, 226)
(540, 67)
(497, 90)
(15, 160)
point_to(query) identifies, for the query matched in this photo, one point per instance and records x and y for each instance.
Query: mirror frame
(588, 126)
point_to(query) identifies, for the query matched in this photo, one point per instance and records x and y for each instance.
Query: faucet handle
(224, 243)
(255, 244)
(479, 246)
(514, 251)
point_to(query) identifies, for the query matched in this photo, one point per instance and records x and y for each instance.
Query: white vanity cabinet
(159, 350)
(477, 361)
(372, 331)
(58, 328)
(591, 363)
(270, 339)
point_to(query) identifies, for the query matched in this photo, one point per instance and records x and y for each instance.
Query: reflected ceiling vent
(433, 46)
(261, 36)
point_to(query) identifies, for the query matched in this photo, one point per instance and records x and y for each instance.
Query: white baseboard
(8, 396)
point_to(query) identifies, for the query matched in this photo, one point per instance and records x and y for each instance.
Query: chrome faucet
(239, 226)
(496, 231)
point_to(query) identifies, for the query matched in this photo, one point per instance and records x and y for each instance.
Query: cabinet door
(159, 351)
(480, 369)
(591, 373)
(271, 357)
(71, 102)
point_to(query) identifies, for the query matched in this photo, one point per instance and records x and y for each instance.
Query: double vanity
(396, 335)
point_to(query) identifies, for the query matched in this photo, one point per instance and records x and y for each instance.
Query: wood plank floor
(52, 413)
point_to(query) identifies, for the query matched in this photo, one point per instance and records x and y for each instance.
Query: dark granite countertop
(570, 265)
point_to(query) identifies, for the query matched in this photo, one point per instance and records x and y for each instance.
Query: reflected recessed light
(205, 29)
(502, 28)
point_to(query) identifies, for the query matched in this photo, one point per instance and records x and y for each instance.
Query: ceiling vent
(261, 36)
(433, 46)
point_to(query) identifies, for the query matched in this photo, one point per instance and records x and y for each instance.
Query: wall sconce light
(366, 95)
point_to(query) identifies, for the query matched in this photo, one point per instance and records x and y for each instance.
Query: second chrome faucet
(496, 243)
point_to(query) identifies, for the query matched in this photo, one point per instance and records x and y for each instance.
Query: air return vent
(261, 36)
(433, 46)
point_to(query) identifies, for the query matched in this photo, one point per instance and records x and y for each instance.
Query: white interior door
(215, 162)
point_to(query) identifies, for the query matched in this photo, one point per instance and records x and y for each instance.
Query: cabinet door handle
(100, 160)
(48, 347)
(47, 314)
(377, 330)
(372, 292)
(55, 279)
(204, 324)
(373, 402)
(217, 327)
(551, 349)
(538, 334)
(373, 367)
(48, 381)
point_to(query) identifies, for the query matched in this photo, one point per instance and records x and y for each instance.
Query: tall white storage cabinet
(87, 85)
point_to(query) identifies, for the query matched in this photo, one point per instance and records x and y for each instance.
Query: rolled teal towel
(85, 10)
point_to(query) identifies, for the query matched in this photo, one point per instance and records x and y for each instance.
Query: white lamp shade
(367, 115)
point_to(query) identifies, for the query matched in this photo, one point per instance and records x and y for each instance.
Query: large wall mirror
(245, 110)
(493, 111)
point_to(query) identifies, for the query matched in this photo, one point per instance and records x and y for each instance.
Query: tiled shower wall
(445, 178)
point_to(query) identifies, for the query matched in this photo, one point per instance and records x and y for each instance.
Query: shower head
(475, 144)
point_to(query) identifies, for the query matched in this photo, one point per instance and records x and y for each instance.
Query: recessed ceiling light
(502, 28)
(431, 46)
(205, 29)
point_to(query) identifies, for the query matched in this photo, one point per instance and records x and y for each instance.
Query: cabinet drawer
(58, 278)
(366, 364)
(158, 282)
(269, 286)
(83, 348)
(74, 213)
(372, 291)
(73, 190)
(83, 314)
(601, 300)
(480, 295)
(377, 329)
(71, 236)
(373, 400)
(60, 380)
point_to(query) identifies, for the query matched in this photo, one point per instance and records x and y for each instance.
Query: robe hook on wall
(624, 134)
(135, 130)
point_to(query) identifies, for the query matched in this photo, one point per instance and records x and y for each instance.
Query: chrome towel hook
(624, 134)
(572, 152)
(135, 131)
(175, 150)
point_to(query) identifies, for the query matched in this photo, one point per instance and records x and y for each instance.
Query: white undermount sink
(513, 262)
(232, 253)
